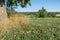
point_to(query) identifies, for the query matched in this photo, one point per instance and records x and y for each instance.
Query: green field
(37, 29)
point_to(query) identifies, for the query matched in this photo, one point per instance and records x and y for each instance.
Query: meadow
(26, 28)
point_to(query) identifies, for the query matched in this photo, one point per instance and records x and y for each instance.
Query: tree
(42, 12)
(11, 3)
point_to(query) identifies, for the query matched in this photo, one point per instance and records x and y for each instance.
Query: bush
(43, 14)
(51, 14)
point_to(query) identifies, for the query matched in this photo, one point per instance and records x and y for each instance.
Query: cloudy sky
(49, 5)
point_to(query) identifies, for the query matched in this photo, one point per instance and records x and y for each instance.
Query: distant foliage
(42, 12)
(51, 14)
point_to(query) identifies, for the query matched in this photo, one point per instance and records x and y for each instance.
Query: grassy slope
(38, 29)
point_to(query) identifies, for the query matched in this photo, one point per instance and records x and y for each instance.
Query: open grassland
(25, 28)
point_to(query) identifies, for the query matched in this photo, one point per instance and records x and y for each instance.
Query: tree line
(42, 13)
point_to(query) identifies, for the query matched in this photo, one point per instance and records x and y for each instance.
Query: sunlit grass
(12, 23)
(26, 28)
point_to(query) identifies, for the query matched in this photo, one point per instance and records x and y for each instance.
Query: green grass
(38, 29)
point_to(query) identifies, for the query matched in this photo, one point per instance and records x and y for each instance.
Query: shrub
(51, 14)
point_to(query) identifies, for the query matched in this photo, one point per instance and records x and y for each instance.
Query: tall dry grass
(12, 23)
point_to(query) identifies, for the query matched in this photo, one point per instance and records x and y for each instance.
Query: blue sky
(49, 5)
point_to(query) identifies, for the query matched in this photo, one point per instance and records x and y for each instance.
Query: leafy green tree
(11, 3)
(42, 12)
